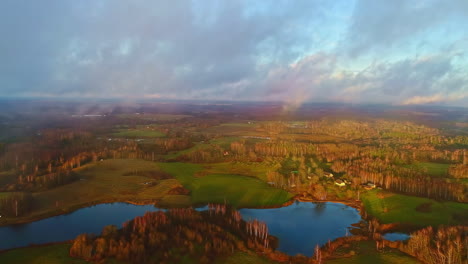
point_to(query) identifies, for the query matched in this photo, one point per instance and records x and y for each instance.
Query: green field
(48, 254)
(4, 194)
(223, 142)
(366, 253)
(58, 254)
(125, 180)
(245, 258)
(153, 117)
(52, 254)
(397, 208)
(106, 181)
(138, 133)
(435, 169)
(431, 168)
(258, 170)
(197, 146)
(236, 130)
(237, 190)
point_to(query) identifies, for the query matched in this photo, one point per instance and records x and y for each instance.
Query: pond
(299, 227)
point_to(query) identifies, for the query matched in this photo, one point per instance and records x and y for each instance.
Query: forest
(178, 156)
(159, 237)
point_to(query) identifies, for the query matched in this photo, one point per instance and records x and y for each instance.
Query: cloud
(146, 47)
(381, 25)
(317, 78)
(293, 51)
(301, 81)
(436, 98)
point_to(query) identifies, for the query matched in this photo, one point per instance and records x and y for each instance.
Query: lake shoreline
(38, 245)
(26, 220)
(31, 219)
(94, 218)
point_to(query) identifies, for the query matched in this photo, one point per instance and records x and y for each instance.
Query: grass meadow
(397, 208)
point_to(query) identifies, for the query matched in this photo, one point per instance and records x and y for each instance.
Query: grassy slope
(153, 117)
(245, 258)
(366, 253)
(259, 170)
(51, 254)
(103, 181)
(138, 133)
(58, 254)
(391, 208)
(433, 169)
(224, 142)
(237, 190)
(236, 130)
(197, 146)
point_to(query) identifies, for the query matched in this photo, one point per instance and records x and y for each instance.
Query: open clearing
(397, 208)
(132, 180)
(366, 253)
(245, 258)
(138, 133)
(435, 169)
(153, 117)
(431, 168)
(236, 190)
(59, 254)
(51, 254)
(105, 181)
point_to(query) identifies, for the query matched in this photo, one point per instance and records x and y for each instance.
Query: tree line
(444, 245)
(167, 237)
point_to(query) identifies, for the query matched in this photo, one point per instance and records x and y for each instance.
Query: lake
(299, 227)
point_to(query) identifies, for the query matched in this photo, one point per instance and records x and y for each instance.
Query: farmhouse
(340, 183)
(369, 186)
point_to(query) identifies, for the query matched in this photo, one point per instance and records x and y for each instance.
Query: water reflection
(299, 227)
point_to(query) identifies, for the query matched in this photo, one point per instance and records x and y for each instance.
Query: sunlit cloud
(436, 98)
(291, 51)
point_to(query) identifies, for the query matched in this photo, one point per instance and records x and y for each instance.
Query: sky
(353, 51)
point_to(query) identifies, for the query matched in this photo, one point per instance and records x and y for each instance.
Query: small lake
(299, 227)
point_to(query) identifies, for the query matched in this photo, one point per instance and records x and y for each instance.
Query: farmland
(402, 173)
(414, 211)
